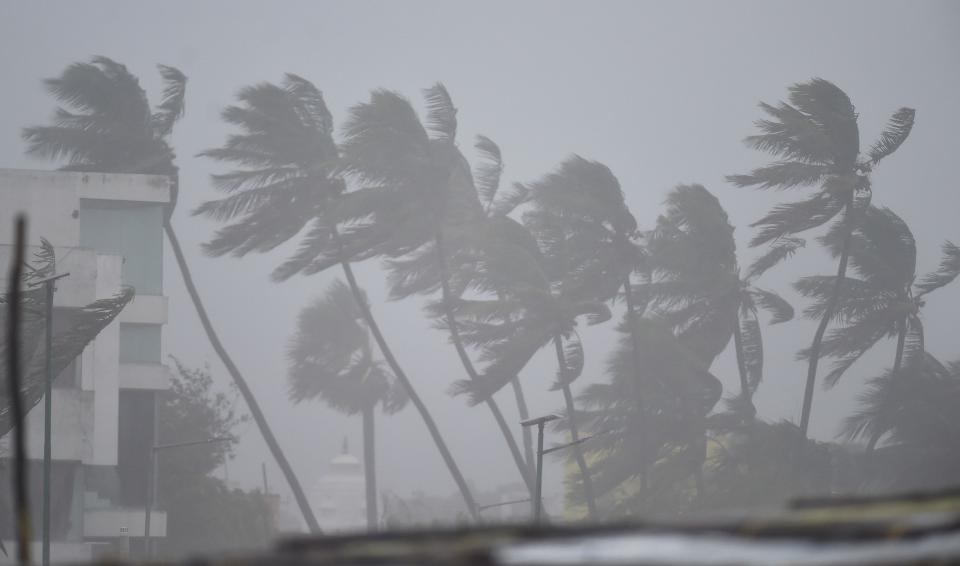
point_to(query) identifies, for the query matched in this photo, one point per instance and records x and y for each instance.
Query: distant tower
(340, 496)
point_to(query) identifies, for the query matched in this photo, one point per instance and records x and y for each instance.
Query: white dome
(345, 463)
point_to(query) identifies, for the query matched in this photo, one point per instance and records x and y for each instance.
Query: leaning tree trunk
(411, 392)
(574, 432)
(241, 383)
(447, 303)
(741, 363)
(897, 364)
(848, 224)
(901, 344)
(637, 388)
(370, 468)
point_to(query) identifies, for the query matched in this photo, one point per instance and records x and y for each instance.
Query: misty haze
(312, 268)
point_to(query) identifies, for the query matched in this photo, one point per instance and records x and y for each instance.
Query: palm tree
(673, 383)
(584, 223)
(331, 358)
(571, 257)
(81, 325)
(287, 180)
(696, 286)
(914, 408)
(816, 137)
(108, 126)
(886, 299)
(419, 208)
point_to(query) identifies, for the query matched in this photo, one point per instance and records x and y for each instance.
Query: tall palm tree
(584, 225)
(331, 358)
(817, 140)
(487, 255)
(288, 179)
(696, 285)
(108, 126)
(419, 210)
(886, 299)
(571, 257)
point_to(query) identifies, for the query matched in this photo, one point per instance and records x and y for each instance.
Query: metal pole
(49, 285)
(538, 499)
(151, 492)
(152, 476)
(47, 424)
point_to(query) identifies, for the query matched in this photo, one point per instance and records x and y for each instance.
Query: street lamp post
(152, 481)
(49, 284)
(541, 422)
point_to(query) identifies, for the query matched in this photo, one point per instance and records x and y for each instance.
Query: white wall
(51, 201)
(104, 369)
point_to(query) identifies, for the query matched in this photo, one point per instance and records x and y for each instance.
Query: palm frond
(441, 113)
(858, 298)
(44, 260)
(508, 358)
(893, 136)
(509, 201)
(773, 303)
(948, 271)
(81, 326)
(882, 248)
(172, 102)
(573, 359)
(850, 343)
(780, 250)
(831, 110)
(782, 175)
(796, 217)
(488, 171)
(311, 106)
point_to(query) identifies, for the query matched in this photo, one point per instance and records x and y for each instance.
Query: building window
(140, 343)
(128, 229)
(136, 438)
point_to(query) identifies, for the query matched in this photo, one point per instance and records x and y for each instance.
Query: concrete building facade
(107, 231)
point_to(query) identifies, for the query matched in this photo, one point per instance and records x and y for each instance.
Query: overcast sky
(661, 92)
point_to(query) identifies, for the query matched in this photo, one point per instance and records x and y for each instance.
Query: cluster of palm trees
(509, 270)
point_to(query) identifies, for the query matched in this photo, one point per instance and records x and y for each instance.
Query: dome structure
(339, 495)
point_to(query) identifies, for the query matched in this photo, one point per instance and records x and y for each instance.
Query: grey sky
(660, 92)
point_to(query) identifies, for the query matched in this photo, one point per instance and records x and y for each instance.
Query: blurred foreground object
(906, 529)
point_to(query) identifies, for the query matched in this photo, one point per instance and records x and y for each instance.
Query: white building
(106, 231)
(340, 494)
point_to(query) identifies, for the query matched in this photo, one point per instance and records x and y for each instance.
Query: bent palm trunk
(741, 363)
(241, 383)
(524, 415)
(637, 389)
(370, 468)
(408, 387)
(848, 222)
(446, 300)
(897, 364)
(575, 434)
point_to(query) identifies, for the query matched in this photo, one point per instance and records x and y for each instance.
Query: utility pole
(50, 287)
